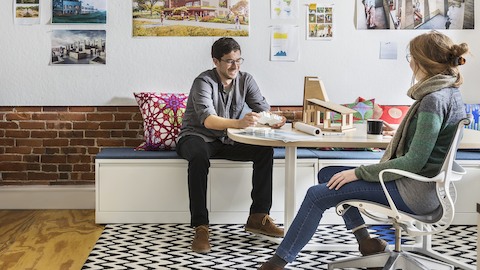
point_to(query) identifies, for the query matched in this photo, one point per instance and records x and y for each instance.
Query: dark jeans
(198, 153)
(319, 198)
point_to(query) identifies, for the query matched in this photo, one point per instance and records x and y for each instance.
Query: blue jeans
(319, 198)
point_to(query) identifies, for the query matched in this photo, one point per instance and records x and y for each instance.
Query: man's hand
(341, 178)
(249, 120)
(279, 125)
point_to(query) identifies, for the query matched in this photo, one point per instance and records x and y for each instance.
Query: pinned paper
(388, 50)
(284, 43)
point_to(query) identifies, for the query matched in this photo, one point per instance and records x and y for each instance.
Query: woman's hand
(388, 129)
(341, 178)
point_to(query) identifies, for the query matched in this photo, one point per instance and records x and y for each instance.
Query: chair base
(392, 260)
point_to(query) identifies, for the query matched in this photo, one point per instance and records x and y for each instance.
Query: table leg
(290, 181)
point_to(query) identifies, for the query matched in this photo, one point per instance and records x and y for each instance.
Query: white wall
(348, 65)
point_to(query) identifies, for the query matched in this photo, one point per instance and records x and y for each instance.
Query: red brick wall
(57, 145)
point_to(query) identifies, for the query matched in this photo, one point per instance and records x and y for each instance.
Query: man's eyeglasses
(230, 62)
(408, 57)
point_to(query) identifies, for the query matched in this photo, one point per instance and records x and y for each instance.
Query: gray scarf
(396, 148)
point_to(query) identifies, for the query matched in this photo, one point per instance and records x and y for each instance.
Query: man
(216, 102)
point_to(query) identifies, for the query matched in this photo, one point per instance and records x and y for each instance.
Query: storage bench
(151, 186)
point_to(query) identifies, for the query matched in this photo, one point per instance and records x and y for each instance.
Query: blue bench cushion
(130, 153)
(279, 153)
(468, 154)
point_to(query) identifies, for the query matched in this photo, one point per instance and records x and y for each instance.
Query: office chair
(423, 226)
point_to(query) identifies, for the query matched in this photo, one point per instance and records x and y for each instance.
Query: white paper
(284, 43)
(306, 128)
(284, 9)
(388, 50)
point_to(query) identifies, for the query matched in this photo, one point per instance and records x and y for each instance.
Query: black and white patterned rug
(167, 246)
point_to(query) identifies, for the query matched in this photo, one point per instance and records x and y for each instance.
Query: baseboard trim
(47, 197)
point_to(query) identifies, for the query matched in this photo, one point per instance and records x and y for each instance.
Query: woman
(438, 107)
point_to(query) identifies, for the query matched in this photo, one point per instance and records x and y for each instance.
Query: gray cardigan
(207, 97)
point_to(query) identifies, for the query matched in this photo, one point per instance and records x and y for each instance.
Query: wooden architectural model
(317, 109)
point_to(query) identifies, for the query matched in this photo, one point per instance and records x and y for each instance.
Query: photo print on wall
(27, 12)
(418, 14)
(283, 9)
(154, 18)
(320, 21)
(78, 47)
(79, 11)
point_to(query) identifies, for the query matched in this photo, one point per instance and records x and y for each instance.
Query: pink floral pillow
(162, 118)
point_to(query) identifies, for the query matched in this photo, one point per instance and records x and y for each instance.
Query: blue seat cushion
(468, 154)
(279, 153)
(130, 153)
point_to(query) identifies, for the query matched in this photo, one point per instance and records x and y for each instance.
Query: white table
(352, 139)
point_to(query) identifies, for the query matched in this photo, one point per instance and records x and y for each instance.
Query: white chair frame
(421, 227)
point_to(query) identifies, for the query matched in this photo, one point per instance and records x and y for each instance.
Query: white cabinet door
(231, 183)
(307, 170)
(468, 193)
(142, 186)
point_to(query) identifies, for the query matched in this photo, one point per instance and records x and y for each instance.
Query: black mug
(374, 128)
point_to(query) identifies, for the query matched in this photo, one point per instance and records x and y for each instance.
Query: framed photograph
(154, 18)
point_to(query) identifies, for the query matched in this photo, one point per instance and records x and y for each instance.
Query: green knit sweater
(428, 137)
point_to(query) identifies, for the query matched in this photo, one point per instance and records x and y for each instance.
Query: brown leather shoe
(200, 243)
(263, 224)
(269, 266)
(370, 246)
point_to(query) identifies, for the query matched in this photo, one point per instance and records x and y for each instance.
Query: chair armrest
(387, 194)
(406, 174)
(438, 177)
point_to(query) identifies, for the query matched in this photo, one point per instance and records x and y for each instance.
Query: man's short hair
(224, 45)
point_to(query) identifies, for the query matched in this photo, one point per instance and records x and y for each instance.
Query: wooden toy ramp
(317, 109)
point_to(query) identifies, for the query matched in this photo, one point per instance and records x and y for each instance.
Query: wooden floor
(46, 239)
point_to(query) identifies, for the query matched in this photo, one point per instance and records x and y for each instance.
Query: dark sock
(277, 261)
(361, 234)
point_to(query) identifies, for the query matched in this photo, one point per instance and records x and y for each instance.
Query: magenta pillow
(162, 118)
